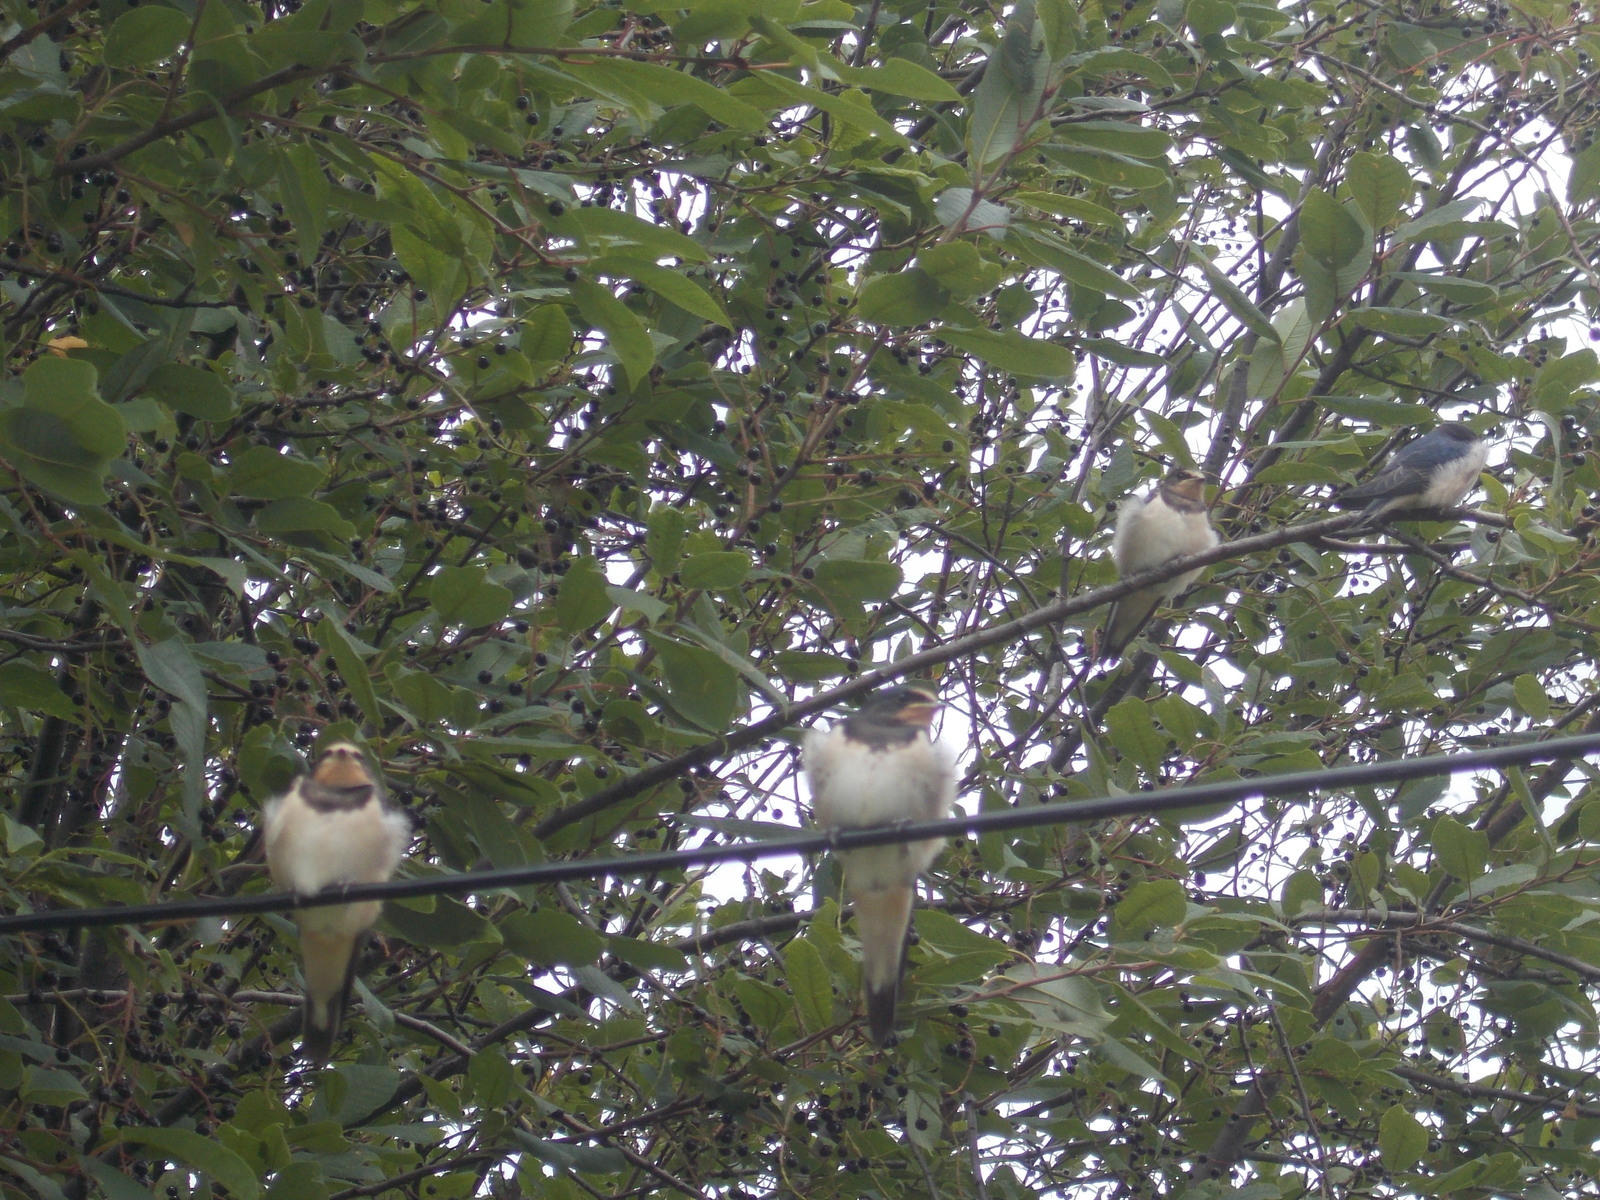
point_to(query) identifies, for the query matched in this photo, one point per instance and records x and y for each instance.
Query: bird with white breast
(876, 768)
(332, 828)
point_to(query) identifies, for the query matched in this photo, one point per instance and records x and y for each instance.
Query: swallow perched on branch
(1152, 530)
(331, 828)
(1435, 470)
(880, 767)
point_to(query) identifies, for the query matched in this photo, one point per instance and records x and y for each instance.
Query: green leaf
(264, 474)
(924, 1119)
(1380, 185)
(1382, 411)
(441, 922)
(1112, 170)
(1012, 351)
(847, 584)
(420, 695)
(1462, 852)
(1148, 905)
(1052, 252)
(604, 229)
(1209, 17)
(62, 436)
(582, 600)
(700, 686)
(799, 666)
(145, 35)
(1475, 1173)
(959, 268)
(1110, 60)
(1117, 137)
(670, 285)
(513, 22)
(911, 297)
(652, 956)
(1558, 380)
(430, 260)
(204, 1154)
(464, 596)
(25, 686)
(850, 108)
(1402, 1139)
(192, 390)
(665, 530)
(549, 938)
(1301, 893)
(546, 335)
(1239, 304)
(626, 336)
(47, 1085)
(629, 600)
(1465, 292)
(715, 569)
(1402, 321)
(307, 195)
(810, 984)
(1446, 218)
(1072, 208)
(171, 667)
(899, 77)
(492, 1078)
(350, 656)
(1059, 1002)
(1272, 362)
(1132, 731)
(1005, 104)
(1330, 234)
(1335, 253)
(118, 1186)
(648, 88)
(1583, 181)
(942, 934)
(575, 1157)
(1532, 699)
(299, 514)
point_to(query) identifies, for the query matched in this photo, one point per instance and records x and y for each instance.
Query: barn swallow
(1434, 471)
(332, 827)
(880, 767)
(1169, 523)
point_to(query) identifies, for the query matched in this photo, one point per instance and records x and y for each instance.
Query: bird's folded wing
(1386, 485)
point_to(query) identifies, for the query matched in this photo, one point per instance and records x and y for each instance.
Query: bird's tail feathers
(881, 1006)
(319, 1030)
(1373, 517)
(328, 962)
(882, 918)
(1127, 617)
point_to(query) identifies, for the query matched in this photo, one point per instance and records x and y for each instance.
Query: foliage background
(539, 389)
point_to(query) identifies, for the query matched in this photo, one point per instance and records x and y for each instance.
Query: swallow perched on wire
(1434, 471)
(1171, 522)
(332, 827)
(880, 767)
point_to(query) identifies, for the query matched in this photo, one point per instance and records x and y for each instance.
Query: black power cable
(1068, 812)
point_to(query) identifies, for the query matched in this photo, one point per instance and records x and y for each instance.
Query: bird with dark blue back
(1436, 470)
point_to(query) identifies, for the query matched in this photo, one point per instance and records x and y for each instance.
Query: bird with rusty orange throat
(1171, 522)
(880, 767)
(331, 828)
